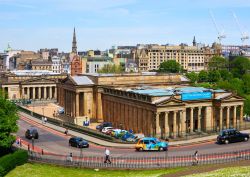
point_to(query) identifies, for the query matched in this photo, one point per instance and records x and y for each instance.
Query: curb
(132, 145)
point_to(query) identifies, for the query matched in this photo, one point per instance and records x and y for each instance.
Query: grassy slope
(41, 170)
(226, 172)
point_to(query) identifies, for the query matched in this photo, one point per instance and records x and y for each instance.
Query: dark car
(231, 136)
(78, 142)
(102, 125)
(31, 133)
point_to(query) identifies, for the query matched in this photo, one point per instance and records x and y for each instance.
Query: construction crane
(244, 34)
(221, 33)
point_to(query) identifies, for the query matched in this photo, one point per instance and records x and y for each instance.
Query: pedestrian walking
(66, 132)
(71, 157)
(107, 156)
(196, 158)
(45, 120)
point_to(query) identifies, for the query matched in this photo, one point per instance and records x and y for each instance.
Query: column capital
(157, 113)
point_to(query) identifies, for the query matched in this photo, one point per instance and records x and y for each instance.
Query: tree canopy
(111, 68)
(8, 122)
(240, 66)
(218, 63)
(170, 66)
(192, 76)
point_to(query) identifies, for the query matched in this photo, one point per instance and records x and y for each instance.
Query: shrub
(10, 161)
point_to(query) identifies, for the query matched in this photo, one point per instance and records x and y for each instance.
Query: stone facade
(84, 93)
(33, 87)
(109, 97)
(191, 58)
(170, 116)
(76, 66)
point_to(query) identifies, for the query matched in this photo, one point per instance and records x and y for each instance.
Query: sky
(100, 24)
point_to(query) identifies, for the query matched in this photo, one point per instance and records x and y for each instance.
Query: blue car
(151, 144)
(128, 137)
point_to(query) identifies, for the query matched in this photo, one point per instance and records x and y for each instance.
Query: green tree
(225, 74)
(202, 76)
(239, 66)
(247, 106)
(111, 68)
(192, 76)
(170, 66)
(246, 81)
(235, 85)
(214, 76)
(8, 122)
(217, 63)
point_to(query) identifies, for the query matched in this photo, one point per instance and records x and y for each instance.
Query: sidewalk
(120, 145)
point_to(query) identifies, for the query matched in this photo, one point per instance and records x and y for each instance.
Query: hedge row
(10, 161)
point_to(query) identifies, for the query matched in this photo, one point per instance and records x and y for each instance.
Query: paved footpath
(117, 145)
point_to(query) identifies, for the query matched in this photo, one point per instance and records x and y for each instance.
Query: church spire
(74, 47)
(194, 42)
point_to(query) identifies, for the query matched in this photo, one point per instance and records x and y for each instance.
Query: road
(56, 142)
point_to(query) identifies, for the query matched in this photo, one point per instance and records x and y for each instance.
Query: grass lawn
(42, 170)
(226, 172)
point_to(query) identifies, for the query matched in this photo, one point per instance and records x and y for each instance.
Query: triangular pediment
(170, 102)
(68, 81)
(232, 97)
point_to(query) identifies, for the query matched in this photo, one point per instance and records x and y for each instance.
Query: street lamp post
(33, 143)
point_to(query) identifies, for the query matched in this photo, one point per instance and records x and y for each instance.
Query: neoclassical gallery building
(160, 105)
(28, 84)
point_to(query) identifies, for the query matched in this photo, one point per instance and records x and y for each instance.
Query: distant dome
(8, 48)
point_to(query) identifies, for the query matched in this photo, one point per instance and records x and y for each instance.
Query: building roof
(169, 91)
(32, 72)
(224, 95)
(82, 80)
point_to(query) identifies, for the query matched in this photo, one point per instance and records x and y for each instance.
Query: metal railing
(141, 162)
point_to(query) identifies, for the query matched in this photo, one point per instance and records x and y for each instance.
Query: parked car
(106, 129)
(115, 132)
(132, 137)
(78, 142)
(128, 137)
(31, 133)
(151, 144)
(120, 134)
(60, 110)
(102, 125)
(231, 135)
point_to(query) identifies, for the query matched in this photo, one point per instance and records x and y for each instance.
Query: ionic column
(191, 120)
(34, 93)
(39, 92)
(241, 115)
(234, 116)
(77, 104)
(183, 123)
(28, 93)
(22, 93)
(221, 117)
(45, 92)
(55, 94)
(199, 119)
(157, 124)
(174, 124)
(227, 120)
(50, 92)
(166, 124)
